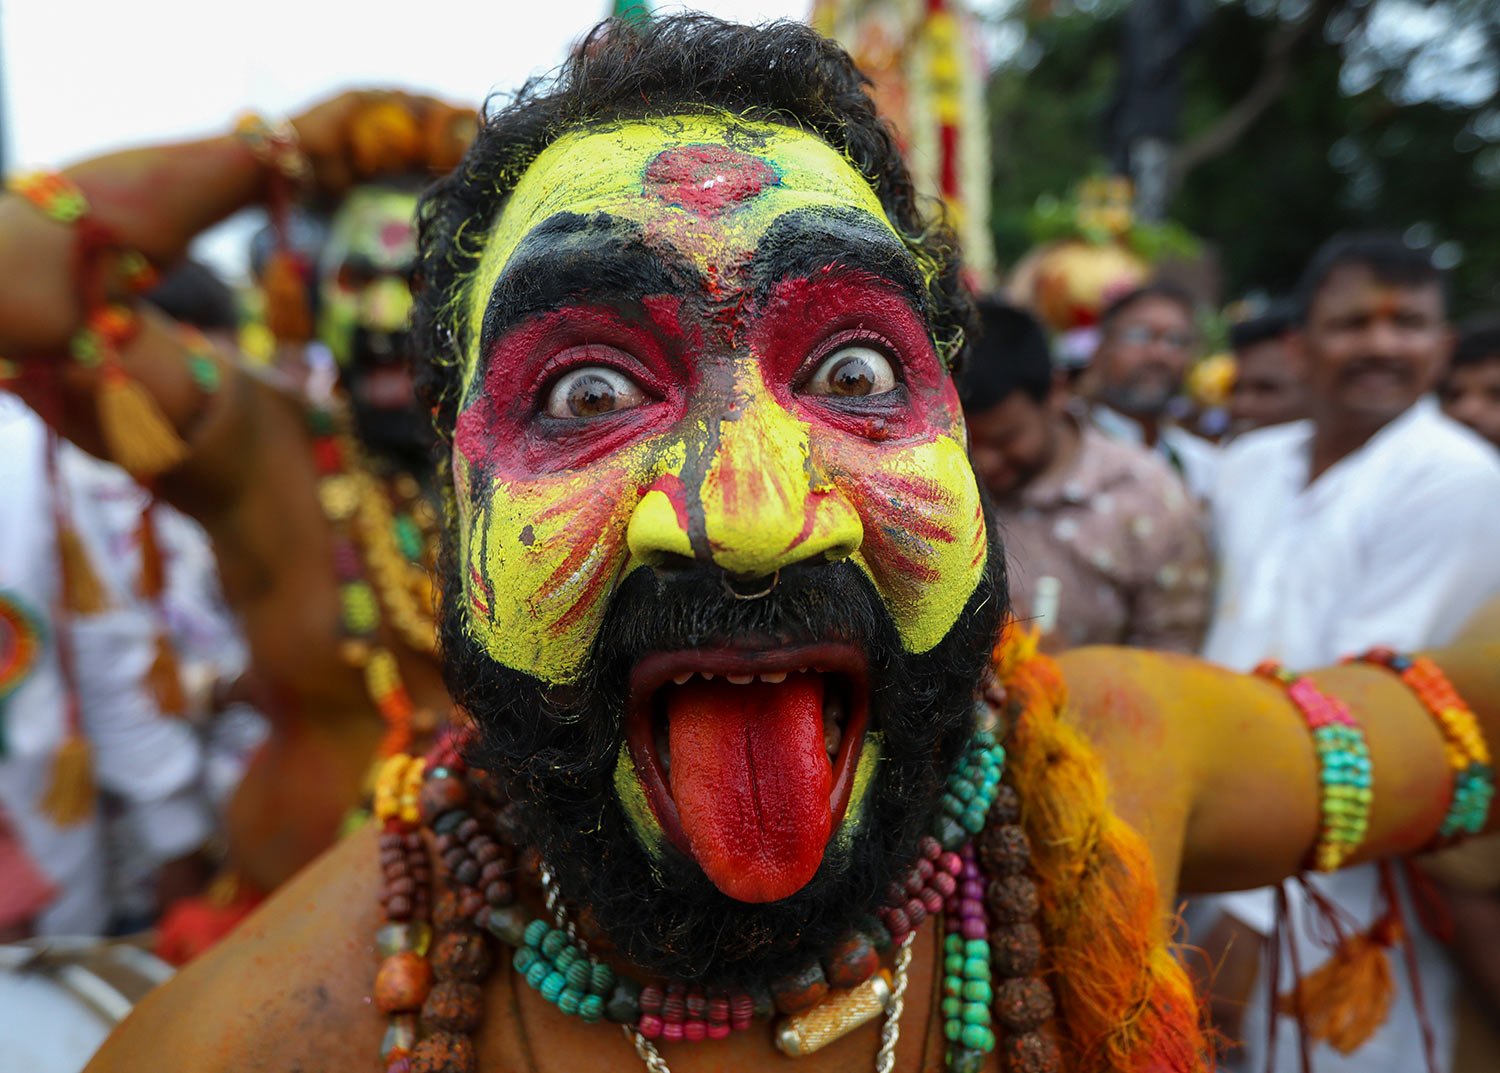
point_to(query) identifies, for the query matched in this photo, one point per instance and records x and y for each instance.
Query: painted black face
(554, 751)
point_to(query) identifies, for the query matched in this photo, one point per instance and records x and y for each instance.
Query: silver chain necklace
(890, 1031)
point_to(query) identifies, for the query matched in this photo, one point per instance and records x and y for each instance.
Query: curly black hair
(780, 72)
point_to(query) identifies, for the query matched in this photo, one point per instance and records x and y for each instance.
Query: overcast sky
(88, 75)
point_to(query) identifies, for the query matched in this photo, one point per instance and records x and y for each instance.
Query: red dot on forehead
(395, 234)
(707, 179)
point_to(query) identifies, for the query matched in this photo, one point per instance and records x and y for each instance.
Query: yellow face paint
(728, 454)
(370, 252)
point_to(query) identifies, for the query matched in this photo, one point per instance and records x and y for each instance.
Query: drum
(59, 998)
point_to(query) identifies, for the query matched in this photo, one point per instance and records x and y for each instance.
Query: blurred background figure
(1270, 383)
(1147, 341)
(90, 755)
(1105, 544)
(1470, 390)
(1371, 523)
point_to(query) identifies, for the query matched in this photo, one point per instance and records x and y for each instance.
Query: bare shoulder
(288, 991)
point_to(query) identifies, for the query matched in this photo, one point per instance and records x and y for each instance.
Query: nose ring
(729, 587)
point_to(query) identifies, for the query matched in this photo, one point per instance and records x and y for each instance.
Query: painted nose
(758, 504)
(385, 304)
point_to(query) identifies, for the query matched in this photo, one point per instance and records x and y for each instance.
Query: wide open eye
(852, 372)
(592, 391)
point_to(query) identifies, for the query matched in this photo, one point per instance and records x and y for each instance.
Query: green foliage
(1320, 159)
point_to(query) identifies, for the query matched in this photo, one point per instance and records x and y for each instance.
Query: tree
(1299, 119)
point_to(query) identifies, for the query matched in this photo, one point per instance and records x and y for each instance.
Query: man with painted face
(316, 520)
(720, 597)
(364, 303)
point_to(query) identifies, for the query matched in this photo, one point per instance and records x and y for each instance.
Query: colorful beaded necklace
(972, 871)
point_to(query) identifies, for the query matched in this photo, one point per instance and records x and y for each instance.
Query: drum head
(59, 998)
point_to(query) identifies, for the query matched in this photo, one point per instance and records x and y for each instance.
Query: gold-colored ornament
(339, 495)
(834, 1018)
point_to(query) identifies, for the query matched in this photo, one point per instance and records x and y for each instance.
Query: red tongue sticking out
(751, 779)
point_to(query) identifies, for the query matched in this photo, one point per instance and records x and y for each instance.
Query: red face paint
(707, 179)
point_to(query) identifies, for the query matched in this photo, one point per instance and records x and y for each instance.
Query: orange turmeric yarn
(1125, 1003)
(1349, 997)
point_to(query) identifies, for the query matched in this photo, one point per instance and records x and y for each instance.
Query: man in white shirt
(1372, 523)
(1147, 339)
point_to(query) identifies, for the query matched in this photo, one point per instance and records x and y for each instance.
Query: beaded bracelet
(1463, 743)
(1344, 767)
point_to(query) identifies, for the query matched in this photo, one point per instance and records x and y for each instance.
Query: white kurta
(1394, 545)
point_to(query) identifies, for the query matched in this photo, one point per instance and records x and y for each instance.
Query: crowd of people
(731, 499)
(1351, 504)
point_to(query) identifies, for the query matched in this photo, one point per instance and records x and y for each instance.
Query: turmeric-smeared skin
(1216, 771)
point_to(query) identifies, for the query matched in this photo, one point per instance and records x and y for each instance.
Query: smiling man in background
(1370, 523)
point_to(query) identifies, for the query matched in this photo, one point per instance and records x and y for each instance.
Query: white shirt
(153, 764)
(1193, 457)
(1393, 545)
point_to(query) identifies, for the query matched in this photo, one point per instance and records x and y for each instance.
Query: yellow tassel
(83, 593)
(153, 573)
(70, 790)
(166, 681)
(1346, 1000)
(137, 433)
(285, 287)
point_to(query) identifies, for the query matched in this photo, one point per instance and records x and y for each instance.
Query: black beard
(403, 436)
(553, 751)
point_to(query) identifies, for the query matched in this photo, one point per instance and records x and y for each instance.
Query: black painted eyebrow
(570, 258)
(809, 240)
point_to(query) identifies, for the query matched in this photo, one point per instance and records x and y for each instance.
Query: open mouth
(748, 756)
(387, 387)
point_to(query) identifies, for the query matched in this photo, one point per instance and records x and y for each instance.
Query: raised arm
(154, 201)
(1227, 759)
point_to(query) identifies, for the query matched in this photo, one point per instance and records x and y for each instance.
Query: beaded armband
(1345, 776)
(1463, 744)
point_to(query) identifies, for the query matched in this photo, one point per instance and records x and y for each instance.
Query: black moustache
(1375, 365)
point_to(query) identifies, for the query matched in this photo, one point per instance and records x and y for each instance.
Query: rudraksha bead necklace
(972, 871)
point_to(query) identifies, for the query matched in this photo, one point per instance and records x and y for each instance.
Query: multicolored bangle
(1463, 743)
(56, 196)
(1344, 767)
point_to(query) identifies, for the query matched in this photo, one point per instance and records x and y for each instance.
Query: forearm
(1257, 798)
(154, 200)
